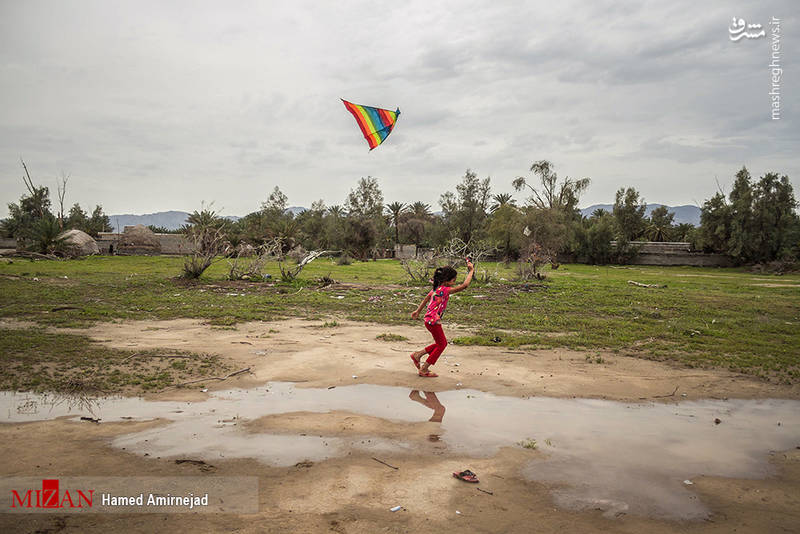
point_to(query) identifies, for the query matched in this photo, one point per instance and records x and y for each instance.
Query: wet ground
(622, 458)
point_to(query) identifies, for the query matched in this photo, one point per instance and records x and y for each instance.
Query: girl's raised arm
(465, 284)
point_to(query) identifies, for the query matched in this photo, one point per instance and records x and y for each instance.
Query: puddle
(621, 458)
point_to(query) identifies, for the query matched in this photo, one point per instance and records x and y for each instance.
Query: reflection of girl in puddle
(431, 401)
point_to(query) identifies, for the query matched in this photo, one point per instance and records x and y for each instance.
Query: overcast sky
(151, 106)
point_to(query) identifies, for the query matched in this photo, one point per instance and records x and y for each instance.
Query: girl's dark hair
(443, 274)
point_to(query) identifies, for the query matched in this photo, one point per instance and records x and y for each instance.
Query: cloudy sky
(151, 106)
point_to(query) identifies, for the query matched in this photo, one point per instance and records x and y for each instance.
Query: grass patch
(391, 337)
(35, 360)
(705, 317)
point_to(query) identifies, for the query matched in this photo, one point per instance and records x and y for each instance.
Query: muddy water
(621, 458)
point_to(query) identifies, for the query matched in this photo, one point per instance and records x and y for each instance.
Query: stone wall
(170, 243)
(677, 253)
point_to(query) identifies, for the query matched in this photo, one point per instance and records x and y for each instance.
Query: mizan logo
(50, 497)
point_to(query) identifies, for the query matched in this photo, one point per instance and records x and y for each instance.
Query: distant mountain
(683, 214)
(171, 220)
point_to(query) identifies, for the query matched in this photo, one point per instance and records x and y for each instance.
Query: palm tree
(205, 218)
(420, 210)
(336, 211)
(45, 235)
(501, 200)
(205, 227)
(288, 230)
(658, 231)
(396, 209)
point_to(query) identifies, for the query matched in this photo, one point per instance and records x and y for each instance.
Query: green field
(727, 318)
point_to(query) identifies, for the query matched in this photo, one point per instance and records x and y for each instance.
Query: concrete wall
(170, 243)
(677, 253)
(694, 259)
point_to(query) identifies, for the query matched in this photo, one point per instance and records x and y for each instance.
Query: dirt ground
(354, 493)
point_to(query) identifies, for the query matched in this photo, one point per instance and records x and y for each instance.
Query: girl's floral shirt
(437, 305)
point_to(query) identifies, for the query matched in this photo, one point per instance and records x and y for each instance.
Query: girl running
(443, 280)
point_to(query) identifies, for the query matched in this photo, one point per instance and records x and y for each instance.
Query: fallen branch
(483, 490)
(662, 396)
(639, 284)
(240, 371)
(384, 463)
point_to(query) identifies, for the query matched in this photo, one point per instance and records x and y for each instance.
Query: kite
(376, 124)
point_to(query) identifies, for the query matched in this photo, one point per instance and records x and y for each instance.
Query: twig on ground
(240, 371)
(662, 396)
(483, 490)
(639, 284)
(384, 463)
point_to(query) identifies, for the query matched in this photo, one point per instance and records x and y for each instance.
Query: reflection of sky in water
(600, 454)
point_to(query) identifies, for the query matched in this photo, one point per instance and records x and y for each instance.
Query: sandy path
(304, 351)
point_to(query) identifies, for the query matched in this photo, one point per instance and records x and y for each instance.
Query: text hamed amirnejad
(190, 500)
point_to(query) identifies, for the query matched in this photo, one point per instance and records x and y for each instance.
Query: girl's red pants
(439, 342)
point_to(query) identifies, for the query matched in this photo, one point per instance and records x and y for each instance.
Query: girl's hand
(415, 314)
(470, 266)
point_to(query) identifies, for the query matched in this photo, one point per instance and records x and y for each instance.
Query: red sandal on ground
(467, 476)
(428, 374)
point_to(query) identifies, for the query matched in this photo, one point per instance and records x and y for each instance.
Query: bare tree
(38, 195)
(62, 191)
(208, 245)
(454, 251)
(419, 267)
(28, 182)
(290, 273)
(531, 261)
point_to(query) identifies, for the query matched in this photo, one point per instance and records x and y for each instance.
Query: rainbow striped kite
(376, 124)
